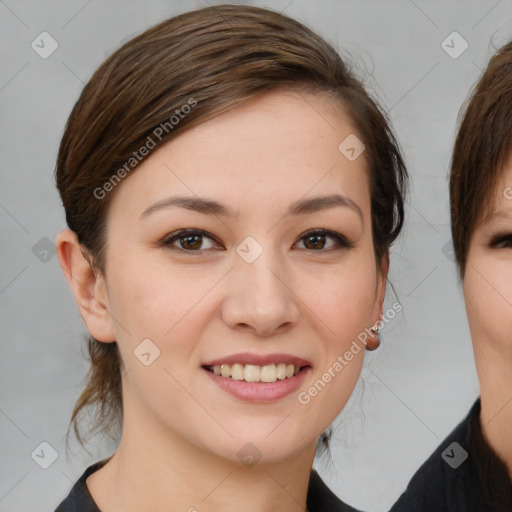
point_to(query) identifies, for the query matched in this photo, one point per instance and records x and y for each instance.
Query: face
(488, 278)
(244, 248)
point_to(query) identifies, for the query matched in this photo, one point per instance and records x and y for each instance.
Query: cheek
(343, 309)
(161, 305)
(344, 299)
(488, 297)
(151, 298)
(172, 305)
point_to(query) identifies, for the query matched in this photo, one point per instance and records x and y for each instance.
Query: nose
(260, 297)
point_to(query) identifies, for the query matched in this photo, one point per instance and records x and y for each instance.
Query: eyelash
(498, 241)
(169, 240)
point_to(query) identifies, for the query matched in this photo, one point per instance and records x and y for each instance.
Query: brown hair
(482, 145)
(213, 58)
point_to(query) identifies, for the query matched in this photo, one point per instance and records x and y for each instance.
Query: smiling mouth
(255, 373)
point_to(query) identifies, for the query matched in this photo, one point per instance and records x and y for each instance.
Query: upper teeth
(254, 373)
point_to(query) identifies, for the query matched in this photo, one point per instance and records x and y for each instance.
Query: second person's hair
(482, 146)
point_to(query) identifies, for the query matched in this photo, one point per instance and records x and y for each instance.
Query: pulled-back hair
(178, 74)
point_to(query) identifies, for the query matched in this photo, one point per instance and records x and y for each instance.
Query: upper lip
(258, 359)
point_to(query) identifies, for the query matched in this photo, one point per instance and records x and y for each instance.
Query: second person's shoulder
(442, 481)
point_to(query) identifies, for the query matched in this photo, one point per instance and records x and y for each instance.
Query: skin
(488, 298)
(178, 426)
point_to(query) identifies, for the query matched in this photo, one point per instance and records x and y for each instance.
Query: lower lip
(260, 392)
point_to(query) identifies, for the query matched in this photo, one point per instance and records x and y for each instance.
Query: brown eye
(190, 240)
(315, 241)
(318, 240)
(193, 242)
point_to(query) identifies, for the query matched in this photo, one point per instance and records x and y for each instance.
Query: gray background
(414, 389)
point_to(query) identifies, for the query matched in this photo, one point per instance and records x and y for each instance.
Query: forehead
(276, 145)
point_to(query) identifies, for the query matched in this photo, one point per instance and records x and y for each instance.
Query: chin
(257, 449)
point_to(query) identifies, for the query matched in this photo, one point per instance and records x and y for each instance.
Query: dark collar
(492, 472)
(480, 483)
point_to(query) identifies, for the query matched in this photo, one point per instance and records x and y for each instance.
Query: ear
(88, 286)
(380, 293)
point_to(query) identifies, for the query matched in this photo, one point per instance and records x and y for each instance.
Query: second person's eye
(502, 242)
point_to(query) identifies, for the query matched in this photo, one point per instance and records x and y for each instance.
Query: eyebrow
(210, 207)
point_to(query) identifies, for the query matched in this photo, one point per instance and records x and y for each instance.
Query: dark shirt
(319, 497)
(469, 477)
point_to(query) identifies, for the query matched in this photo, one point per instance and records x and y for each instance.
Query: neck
(156, 469)
(495, 377)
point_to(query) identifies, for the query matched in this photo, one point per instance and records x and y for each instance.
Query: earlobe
(373, 341)
(87, 285)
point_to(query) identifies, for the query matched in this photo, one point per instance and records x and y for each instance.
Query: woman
(472, 469)
(231, 193)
